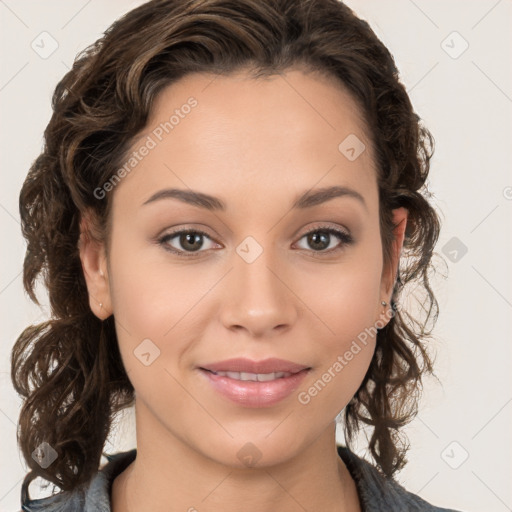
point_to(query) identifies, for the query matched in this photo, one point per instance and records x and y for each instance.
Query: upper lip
(241, 364)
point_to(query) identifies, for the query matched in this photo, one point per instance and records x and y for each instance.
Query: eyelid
(324, 226)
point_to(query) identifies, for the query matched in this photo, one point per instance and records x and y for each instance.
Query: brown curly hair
(68, 369)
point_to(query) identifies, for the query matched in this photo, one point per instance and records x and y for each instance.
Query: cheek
(342, 362)
(152, 297)
(345, 297)
(159, 309)
(347, 305)
(154, 328)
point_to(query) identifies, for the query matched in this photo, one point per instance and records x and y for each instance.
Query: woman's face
(265, 280)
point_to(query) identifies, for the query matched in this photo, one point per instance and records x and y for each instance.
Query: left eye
(191, 241)
(319, 237)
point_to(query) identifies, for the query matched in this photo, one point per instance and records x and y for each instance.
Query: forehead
(305, 102)
(251, 135)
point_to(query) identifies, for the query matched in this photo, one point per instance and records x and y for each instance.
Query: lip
(255, 393)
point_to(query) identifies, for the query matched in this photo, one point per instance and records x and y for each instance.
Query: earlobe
(93, 259)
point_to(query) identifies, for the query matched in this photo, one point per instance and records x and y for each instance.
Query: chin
(258, 450)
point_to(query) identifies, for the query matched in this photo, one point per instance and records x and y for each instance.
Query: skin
(257, 145)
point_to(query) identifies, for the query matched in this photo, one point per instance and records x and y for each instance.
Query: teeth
(256, 377)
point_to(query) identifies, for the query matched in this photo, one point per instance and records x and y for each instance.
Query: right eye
(191, 241)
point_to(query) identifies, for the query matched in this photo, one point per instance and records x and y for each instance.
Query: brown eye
(188, 241)
(191, 241)
(320, 239)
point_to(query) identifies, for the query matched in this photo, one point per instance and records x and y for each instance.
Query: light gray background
(465, 100)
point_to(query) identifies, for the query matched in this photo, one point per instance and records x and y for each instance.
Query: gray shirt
(376, 492)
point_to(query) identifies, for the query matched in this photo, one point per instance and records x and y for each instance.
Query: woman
(230, 200)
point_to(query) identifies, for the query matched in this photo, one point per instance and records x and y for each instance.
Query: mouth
(254, 384)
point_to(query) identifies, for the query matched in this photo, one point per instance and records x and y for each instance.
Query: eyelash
(344, 237)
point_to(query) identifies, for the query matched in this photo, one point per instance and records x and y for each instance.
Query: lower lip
(255, 394)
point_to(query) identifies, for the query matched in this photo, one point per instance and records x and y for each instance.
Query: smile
(254, 389)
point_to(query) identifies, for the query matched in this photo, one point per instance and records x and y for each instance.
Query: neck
(170, 475)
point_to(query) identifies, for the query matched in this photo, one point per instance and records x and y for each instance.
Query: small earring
(384, 303)
(101, 305)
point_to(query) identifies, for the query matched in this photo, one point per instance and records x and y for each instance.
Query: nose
(259, 299)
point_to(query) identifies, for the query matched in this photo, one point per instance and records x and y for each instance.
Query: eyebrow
(306, 200)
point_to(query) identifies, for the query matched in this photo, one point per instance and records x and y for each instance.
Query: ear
(391, 269)
(94, 265)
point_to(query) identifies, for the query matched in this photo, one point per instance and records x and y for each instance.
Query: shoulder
(94, 496)
(378, 493)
